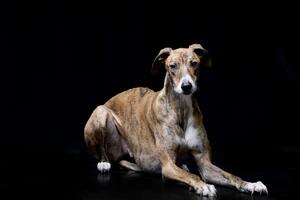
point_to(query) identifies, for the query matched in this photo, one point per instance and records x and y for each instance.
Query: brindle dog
(155, 128)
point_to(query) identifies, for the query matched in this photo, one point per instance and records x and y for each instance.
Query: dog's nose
(186, 87)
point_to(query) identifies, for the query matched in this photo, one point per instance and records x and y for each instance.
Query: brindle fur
(150, 127)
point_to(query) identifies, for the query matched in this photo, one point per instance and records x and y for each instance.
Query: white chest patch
(192, 136)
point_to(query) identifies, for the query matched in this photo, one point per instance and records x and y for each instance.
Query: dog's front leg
(215, 175)
(171, 171)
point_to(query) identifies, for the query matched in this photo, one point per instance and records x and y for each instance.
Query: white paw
(103, 166)
(255, 187)
(207, 190)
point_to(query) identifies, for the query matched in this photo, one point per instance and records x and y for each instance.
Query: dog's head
(183, 66)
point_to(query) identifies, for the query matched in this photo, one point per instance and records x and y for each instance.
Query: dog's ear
(160, 59)
(202, 53)
(198, 49)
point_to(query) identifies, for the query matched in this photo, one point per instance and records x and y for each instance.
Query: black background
(63, 58)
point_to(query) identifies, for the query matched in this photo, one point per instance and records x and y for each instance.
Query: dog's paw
(103, 166)
(206, 190)
(254, 187)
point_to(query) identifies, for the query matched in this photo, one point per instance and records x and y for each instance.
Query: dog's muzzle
(186, 87)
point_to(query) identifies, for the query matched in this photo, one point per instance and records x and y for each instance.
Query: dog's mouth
(187, 92)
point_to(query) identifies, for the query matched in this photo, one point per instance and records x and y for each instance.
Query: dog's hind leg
(102, 137)
(129, 165)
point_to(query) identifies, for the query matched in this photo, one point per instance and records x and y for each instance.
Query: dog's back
(129, 99)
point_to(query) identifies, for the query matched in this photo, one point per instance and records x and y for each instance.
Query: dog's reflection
(105, 178)
(225, 193)
(231, 196)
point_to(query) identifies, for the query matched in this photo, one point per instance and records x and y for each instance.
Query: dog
(156, 128)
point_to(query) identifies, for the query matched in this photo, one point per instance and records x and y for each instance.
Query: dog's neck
(180, 103)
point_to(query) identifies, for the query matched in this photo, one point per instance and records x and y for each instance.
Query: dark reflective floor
(56, 175)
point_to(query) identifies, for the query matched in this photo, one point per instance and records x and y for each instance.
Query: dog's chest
(190, 138)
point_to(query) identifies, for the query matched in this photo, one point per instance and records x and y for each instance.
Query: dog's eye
(194, 63)
(173, 65)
